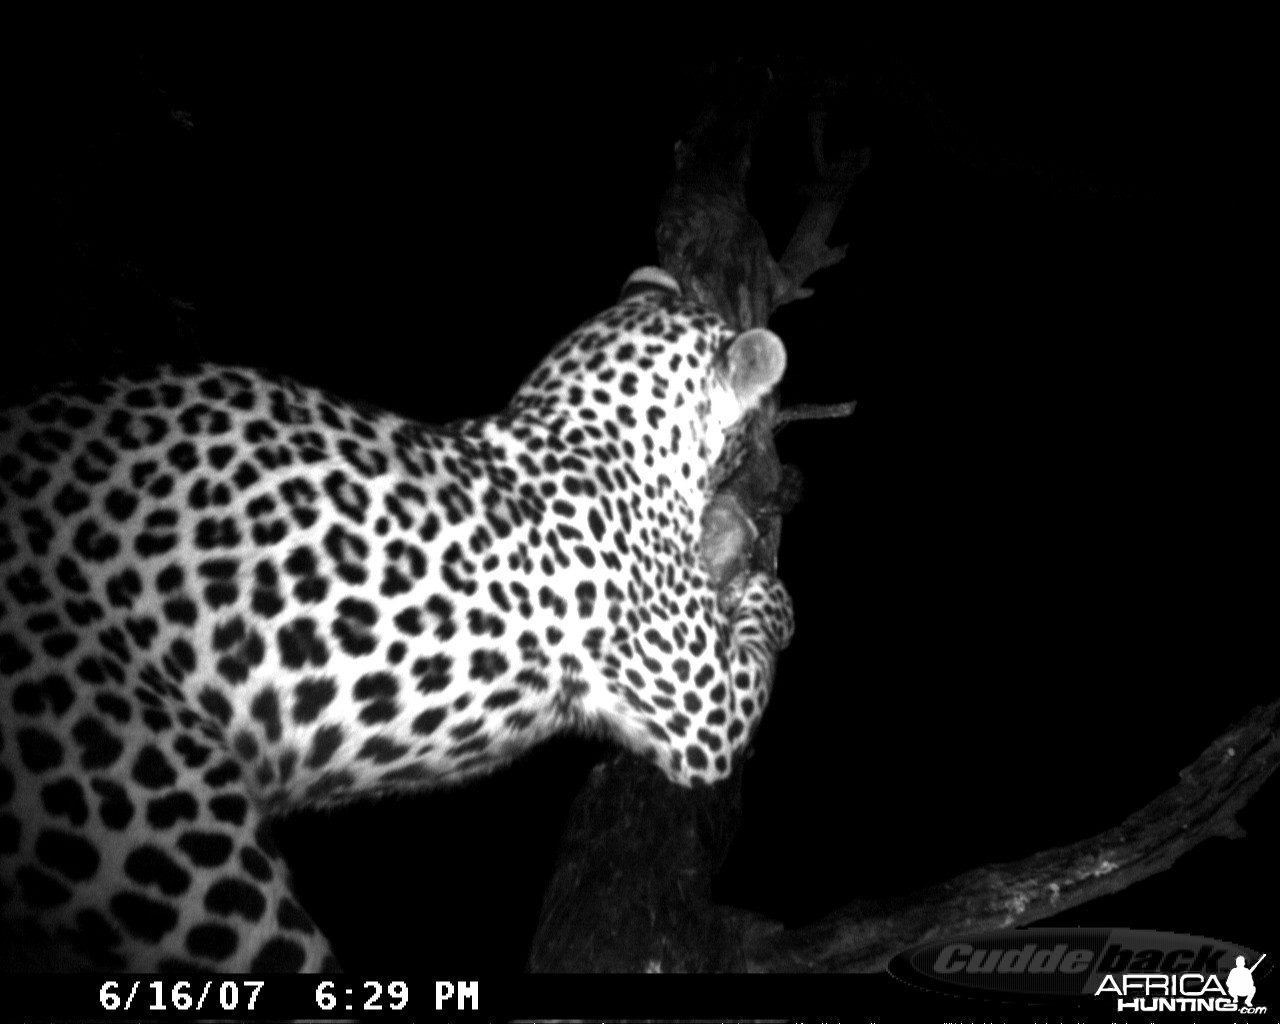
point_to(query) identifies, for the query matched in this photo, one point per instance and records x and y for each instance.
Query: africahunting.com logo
(1129, 971)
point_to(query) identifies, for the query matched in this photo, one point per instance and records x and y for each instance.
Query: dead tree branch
(865, 935)
(792, 413)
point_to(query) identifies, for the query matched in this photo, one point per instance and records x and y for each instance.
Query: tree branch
(792, 413)
(865, 935)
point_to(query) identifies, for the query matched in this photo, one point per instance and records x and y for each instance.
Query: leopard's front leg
(761, 625)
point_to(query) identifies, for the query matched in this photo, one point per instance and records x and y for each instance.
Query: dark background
(1027, 573)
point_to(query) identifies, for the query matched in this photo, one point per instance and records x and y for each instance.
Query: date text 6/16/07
(179, 995)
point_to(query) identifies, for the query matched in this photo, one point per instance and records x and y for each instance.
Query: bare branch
(865, 935)
(807, 252)
(808, 411)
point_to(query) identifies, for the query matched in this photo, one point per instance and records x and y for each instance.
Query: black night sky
(1026, 572)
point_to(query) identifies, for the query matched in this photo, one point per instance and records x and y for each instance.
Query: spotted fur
(224, 594)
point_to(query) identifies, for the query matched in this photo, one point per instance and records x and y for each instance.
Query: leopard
(226, 595)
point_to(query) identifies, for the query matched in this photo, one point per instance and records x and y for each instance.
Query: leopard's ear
(755, 361)
(647, 279)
